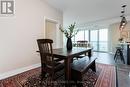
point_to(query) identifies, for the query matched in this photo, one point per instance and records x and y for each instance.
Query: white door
(50, 31)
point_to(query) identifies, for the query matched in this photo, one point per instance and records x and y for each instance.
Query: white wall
(18, 33)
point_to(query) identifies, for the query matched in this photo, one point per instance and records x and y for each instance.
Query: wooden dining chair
(48, 64)
(82, 44)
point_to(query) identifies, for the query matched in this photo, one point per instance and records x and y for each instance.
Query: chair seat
(57, 66)
(57, 59)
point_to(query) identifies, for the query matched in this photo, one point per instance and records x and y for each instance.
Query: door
(50, 31)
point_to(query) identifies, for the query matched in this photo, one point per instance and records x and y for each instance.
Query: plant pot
(69, 44)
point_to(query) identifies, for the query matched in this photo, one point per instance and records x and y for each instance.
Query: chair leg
(43, 75)
(52, 80)
(122, 57)
(79, 83)
(115, 55)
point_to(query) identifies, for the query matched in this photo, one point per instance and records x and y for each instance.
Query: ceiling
(91, 11)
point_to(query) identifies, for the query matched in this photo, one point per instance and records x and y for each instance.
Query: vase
(69, 44)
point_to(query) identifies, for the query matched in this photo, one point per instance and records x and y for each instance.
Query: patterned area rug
(105, 76)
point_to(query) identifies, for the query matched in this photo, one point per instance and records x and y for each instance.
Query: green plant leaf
(69, 33)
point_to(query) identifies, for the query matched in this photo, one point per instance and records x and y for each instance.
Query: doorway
(51, 31)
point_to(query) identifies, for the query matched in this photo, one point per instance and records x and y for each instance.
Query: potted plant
(69, 33)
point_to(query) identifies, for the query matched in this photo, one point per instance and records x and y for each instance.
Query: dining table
(68, 55)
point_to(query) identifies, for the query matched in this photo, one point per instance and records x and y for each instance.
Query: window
(94, 39)
(86, 35)
(103, 39)
(97, 38)
(79, 36)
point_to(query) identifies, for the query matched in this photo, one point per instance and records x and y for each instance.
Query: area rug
(105, 76)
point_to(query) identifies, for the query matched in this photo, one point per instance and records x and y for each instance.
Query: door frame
(57, 27)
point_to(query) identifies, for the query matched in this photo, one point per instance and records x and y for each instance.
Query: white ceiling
(90, 11)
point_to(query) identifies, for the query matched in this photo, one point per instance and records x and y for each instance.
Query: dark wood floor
(123, 75)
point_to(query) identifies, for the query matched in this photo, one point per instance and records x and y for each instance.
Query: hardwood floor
(123, 75)
(123, 72)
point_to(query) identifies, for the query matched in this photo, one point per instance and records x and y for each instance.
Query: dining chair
(49, 65)
(82, 44)
(119, 54)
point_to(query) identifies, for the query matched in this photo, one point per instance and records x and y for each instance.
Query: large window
(94, 39)
(79, 36)
(86, 35)
(97, 38)
(103, 40)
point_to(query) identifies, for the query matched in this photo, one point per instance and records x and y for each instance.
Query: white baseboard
(18, 71)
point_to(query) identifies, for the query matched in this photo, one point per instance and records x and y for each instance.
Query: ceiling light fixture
(123, 19)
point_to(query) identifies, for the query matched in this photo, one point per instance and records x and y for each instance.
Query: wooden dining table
(68, 56)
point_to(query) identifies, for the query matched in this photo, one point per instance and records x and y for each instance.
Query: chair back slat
(45, 48)
(82, 43)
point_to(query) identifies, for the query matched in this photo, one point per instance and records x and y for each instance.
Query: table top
(62, 52)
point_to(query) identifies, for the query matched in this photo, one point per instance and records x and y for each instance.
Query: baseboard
(18, 71)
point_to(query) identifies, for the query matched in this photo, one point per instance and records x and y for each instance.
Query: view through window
(97, 38)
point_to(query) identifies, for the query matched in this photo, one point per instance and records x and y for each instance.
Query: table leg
(89, 53)
(93, 66)
(67, 71)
